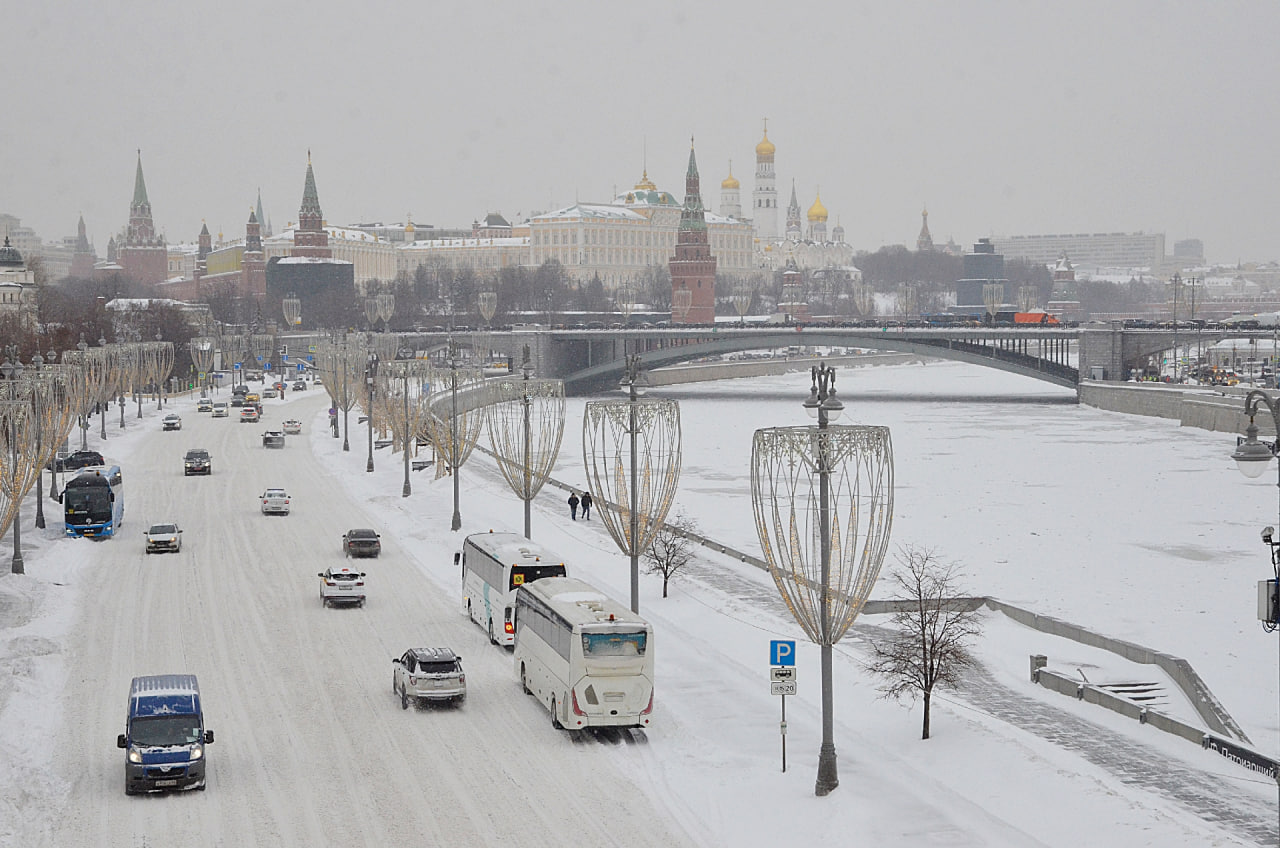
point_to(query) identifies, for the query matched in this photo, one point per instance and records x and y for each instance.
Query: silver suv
(429, 674)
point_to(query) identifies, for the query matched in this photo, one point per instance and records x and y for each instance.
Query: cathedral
(805, 242)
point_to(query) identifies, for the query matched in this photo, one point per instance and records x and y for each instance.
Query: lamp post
(1252, 457)
(409, 432)
(823, 405)
(370, 378)
(636, 383)
(456, 522)
(38, 362)
(106, 400)
(848, 523)
(11, 371)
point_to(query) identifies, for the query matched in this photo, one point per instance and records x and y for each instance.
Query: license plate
(166, 783)
(344, 588)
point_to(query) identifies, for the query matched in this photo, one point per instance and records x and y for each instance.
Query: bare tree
(672, 548)
(933, 628)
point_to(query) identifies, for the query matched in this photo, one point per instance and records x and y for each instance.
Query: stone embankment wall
(1216, 408)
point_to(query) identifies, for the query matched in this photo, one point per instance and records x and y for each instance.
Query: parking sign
(782, 652)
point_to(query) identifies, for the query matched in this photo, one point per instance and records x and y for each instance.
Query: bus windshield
(522, 574)
(613, 644)
(87, 506)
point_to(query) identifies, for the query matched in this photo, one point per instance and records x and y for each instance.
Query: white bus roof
(513, 549)
(581, 603)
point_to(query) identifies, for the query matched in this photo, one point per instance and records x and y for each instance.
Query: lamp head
(1251, 455)
(1268, 533)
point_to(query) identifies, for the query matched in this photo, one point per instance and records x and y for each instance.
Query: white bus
(494, 565)
(588, 658)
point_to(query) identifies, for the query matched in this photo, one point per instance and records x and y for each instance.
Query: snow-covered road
(312, 748)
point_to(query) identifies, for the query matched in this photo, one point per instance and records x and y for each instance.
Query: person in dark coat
(586, 505)
(573, 505)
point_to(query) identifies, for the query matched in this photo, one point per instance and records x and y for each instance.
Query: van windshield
(159, 731)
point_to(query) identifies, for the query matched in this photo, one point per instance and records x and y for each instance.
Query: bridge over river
(592, 360)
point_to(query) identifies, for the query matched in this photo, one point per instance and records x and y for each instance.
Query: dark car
(197, 461)
(361, 542)
(80, 459)
(273, 439)
(299, 386)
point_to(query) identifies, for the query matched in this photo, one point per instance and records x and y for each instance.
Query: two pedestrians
(573, 505)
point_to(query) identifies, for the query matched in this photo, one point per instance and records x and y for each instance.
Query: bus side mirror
(457, 557)
(113, 497)
(121, 742)
(208, 737)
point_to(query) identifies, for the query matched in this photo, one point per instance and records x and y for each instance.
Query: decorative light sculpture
(405, 405)
(526, 424)
(631, 452)
(823, 502)
(457, 414)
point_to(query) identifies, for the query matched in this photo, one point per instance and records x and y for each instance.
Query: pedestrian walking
(586, 506)
(573, 505)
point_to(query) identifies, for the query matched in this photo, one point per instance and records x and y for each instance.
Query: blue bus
(93, 502)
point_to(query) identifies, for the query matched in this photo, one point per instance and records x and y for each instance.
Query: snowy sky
(1003, 117)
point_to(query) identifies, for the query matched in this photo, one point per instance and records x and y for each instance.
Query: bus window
(613, 644)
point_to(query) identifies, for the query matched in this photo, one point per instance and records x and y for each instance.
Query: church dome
(765, 147)
(645, 183)
(730, 182)
(818, 212)
(10, 256)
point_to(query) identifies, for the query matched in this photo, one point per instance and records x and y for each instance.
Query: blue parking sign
(782, 652)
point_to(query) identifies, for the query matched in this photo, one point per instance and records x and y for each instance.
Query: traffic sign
(782, 652)
(782, 674)
(782, 688)
(311, 349)
(235, 366)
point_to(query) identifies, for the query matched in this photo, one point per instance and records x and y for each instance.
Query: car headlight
(134, 755)
(197, 752)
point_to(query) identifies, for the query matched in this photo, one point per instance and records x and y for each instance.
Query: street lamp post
(106, 401)
(1252, 457)
(370, 377)
(409, 431)
(456, 522)
(38, 362)
(11, 371)
(636, 382)
(825, 406)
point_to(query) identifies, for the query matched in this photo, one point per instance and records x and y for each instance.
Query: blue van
(164, 737)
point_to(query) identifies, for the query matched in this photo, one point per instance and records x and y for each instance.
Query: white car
(275, 501)
(204, 405)
(164, 537)
(292, 427)
(173, 421)
(221, 409)
(341, 586)
(429, 674)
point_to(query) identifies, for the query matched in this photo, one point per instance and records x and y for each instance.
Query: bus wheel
(555, 719)
(492, 641)
(524, 684)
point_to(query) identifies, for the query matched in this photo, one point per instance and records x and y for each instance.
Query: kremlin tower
(693, 268)
(310, 238)
(143, 254)
(764, 198)
(793, 216)
(83, 258)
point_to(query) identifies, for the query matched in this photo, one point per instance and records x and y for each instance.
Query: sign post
(782, 681)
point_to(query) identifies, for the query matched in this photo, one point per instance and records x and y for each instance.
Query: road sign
(783, 688)
(782, 652)
(200, 376)
(782, 674)
(235, 366)
(311, 349)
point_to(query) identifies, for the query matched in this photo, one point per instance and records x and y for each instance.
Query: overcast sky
(1003, 117)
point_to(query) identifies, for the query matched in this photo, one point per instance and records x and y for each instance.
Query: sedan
(173, 421)
(164, 537)
(361, 542)
(299, 386)
(341, 586)
(275, 500)
(273, 439)
(204, 405)
(292, 427)
(249, 415)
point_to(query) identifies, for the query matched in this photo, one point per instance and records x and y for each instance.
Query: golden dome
(765, 147)
(730, 181)
(646, 183)
(818, 212)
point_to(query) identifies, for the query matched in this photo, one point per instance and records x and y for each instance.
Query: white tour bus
(494, 565)
(588, 658)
